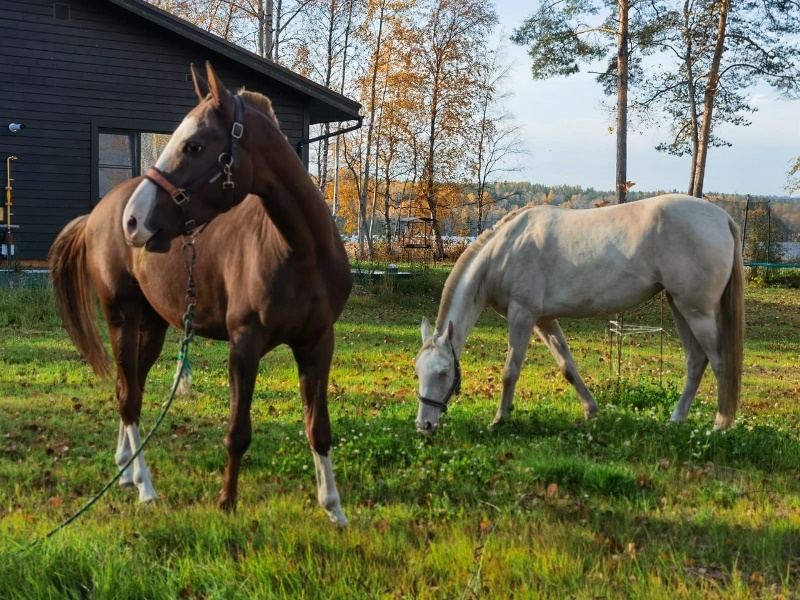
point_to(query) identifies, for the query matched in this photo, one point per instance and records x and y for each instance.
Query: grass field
(547, 506)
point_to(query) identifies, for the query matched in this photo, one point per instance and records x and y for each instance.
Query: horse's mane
(465, 260)
(262, 102)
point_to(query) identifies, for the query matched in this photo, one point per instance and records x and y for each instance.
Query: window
(126, 154)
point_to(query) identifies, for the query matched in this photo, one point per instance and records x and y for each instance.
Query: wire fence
(770, 230)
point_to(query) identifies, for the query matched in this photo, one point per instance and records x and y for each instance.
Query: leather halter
(455, 388)
(224, 165)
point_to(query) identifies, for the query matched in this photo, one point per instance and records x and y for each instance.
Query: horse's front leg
(551, 334)
(245, 354)
(520, 328)
(313, 364)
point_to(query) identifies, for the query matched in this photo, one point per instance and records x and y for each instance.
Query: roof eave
(325, 106)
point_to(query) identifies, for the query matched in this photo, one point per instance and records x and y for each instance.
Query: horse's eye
(192, 148)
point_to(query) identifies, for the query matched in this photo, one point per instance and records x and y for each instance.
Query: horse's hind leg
(551, 334)
(130, 345)
(314, 363)
(703, 349)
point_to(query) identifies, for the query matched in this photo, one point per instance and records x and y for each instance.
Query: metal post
(744, 229)
(769, 230)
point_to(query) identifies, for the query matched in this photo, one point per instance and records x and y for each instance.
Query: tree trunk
(622, 103)
(708, 102)
(335, 203)
(430, 178)
(323, 160)
(265, 11)
(335, 199)
(276, 31)
(691, 90)
(362, 201)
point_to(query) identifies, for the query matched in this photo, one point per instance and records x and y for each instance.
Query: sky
(567, 140)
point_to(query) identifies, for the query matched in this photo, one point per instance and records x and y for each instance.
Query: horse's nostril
(132, 223)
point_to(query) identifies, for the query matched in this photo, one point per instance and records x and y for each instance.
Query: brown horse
(270, 269)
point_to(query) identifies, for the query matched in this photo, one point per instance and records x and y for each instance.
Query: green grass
(547, 506)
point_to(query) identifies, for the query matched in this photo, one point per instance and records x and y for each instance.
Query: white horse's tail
(731, 339)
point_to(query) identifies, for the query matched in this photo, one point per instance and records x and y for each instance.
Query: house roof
(325, 106)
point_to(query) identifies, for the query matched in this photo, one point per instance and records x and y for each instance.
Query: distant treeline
(506, 196)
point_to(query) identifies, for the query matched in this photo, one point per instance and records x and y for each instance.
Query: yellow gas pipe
(9, 240)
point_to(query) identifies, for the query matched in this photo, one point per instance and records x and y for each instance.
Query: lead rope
(183, 372)
(189, 255)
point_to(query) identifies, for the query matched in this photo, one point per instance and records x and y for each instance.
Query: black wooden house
(97, 84)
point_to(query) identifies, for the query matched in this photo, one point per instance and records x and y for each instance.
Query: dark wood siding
(102, 68)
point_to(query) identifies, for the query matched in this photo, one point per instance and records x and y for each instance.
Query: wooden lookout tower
(416, 238)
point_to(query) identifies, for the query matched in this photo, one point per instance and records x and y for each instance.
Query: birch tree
(444, 46)
(495, 136)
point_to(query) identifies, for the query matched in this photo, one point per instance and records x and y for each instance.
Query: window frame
(106, 126)
(134, 138)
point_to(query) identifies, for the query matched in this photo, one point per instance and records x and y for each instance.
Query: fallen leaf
(552, 490)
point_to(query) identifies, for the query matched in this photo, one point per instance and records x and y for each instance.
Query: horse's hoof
(147, 497)
(721, 422)
(337, 518)
(226, 504)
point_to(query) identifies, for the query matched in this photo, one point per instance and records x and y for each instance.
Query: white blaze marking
(141, 202)
(185, 130)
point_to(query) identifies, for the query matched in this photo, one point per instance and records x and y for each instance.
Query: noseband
(224, 165)
(455, 388)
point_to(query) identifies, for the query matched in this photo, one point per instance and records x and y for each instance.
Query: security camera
(15, 127)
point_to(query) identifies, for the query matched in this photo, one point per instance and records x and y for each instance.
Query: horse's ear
(200, 84)
(220, 95)
(450, 330)
(425, 329)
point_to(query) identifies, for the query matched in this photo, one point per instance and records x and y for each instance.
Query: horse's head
(202, 172)
(439, 374)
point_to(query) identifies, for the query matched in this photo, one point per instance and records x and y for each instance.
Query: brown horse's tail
(731, 339)
(73, 291)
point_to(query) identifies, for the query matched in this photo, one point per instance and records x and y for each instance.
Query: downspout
(331, 134)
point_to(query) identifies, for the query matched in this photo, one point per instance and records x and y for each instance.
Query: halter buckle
(237, 130)
(180, 197)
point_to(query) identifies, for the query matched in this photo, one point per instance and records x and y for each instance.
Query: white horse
(541, 263)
